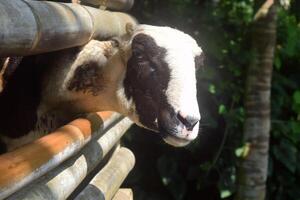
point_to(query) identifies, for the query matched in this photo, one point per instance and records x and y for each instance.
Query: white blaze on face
(181, 50)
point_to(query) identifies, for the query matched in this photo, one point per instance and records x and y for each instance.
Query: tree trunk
(252, 172)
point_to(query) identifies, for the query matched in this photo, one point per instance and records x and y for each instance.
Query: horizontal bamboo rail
(32, 27)
(106, 183)
(20, 167)
(59, 183)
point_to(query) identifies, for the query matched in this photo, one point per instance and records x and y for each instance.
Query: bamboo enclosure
(58, 165)
(51, 150)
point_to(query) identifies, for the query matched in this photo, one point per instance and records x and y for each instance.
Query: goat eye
(138, 54)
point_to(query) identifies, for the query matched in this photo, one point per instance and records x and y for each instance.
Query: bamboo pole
(33, 27)
(106, 183)
(27, 163)
(123, 194)
(59, 183)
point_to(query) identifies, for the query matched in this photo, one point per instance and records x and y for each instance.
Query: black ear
(199, 61)
(87, 79)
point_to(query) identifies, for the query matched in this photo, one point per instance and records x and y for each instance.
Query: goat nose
(189, 121)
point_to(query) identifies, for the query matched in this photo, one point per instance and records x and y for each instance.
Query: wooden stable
(83, 159)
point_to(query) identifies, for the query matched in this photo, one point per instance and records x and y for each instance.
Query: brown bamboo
(33, 27)
(33, 160)
(59, 183)
(106, 183)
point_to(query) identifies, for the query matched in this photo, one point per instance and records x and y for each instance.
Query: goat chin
(176, 142)
(169, 139)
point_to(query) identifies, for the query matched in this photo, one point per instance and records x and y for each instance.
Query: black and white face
(160, 83)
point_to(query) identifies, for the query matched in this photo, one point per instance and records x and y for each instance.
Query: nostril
(189, 121)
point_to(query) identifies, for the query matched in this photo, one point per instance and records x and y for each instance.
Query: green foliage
(225, 194)
(286, 153)
(207, 167)
(284, 174)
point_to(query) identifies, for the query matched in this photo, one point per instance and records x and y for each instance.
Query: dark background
(206, 169)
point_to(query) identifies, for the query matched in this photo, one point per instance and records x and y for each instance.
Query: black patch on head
(147, 79)
(199, 60)
(87, 79)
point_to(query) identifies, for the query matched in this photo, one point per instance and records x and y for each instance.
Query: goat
(148, 76)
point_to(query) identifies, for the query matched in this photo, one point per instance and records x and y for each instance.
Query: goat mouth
(177, 137)
(175, 141)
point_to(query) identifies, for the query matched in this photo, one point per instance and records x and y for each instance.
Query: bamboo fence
(71, 160)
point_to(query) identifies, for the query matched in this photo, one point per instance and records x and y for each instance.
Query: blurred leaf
(298, 164)
(286, 153)
(206, 166)
(212, 88)
(296, 101)
(277, 62)
(243, 151)
(239, 152)
(222, 109)
(225, 194)
(296, 97)
(295, 133)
